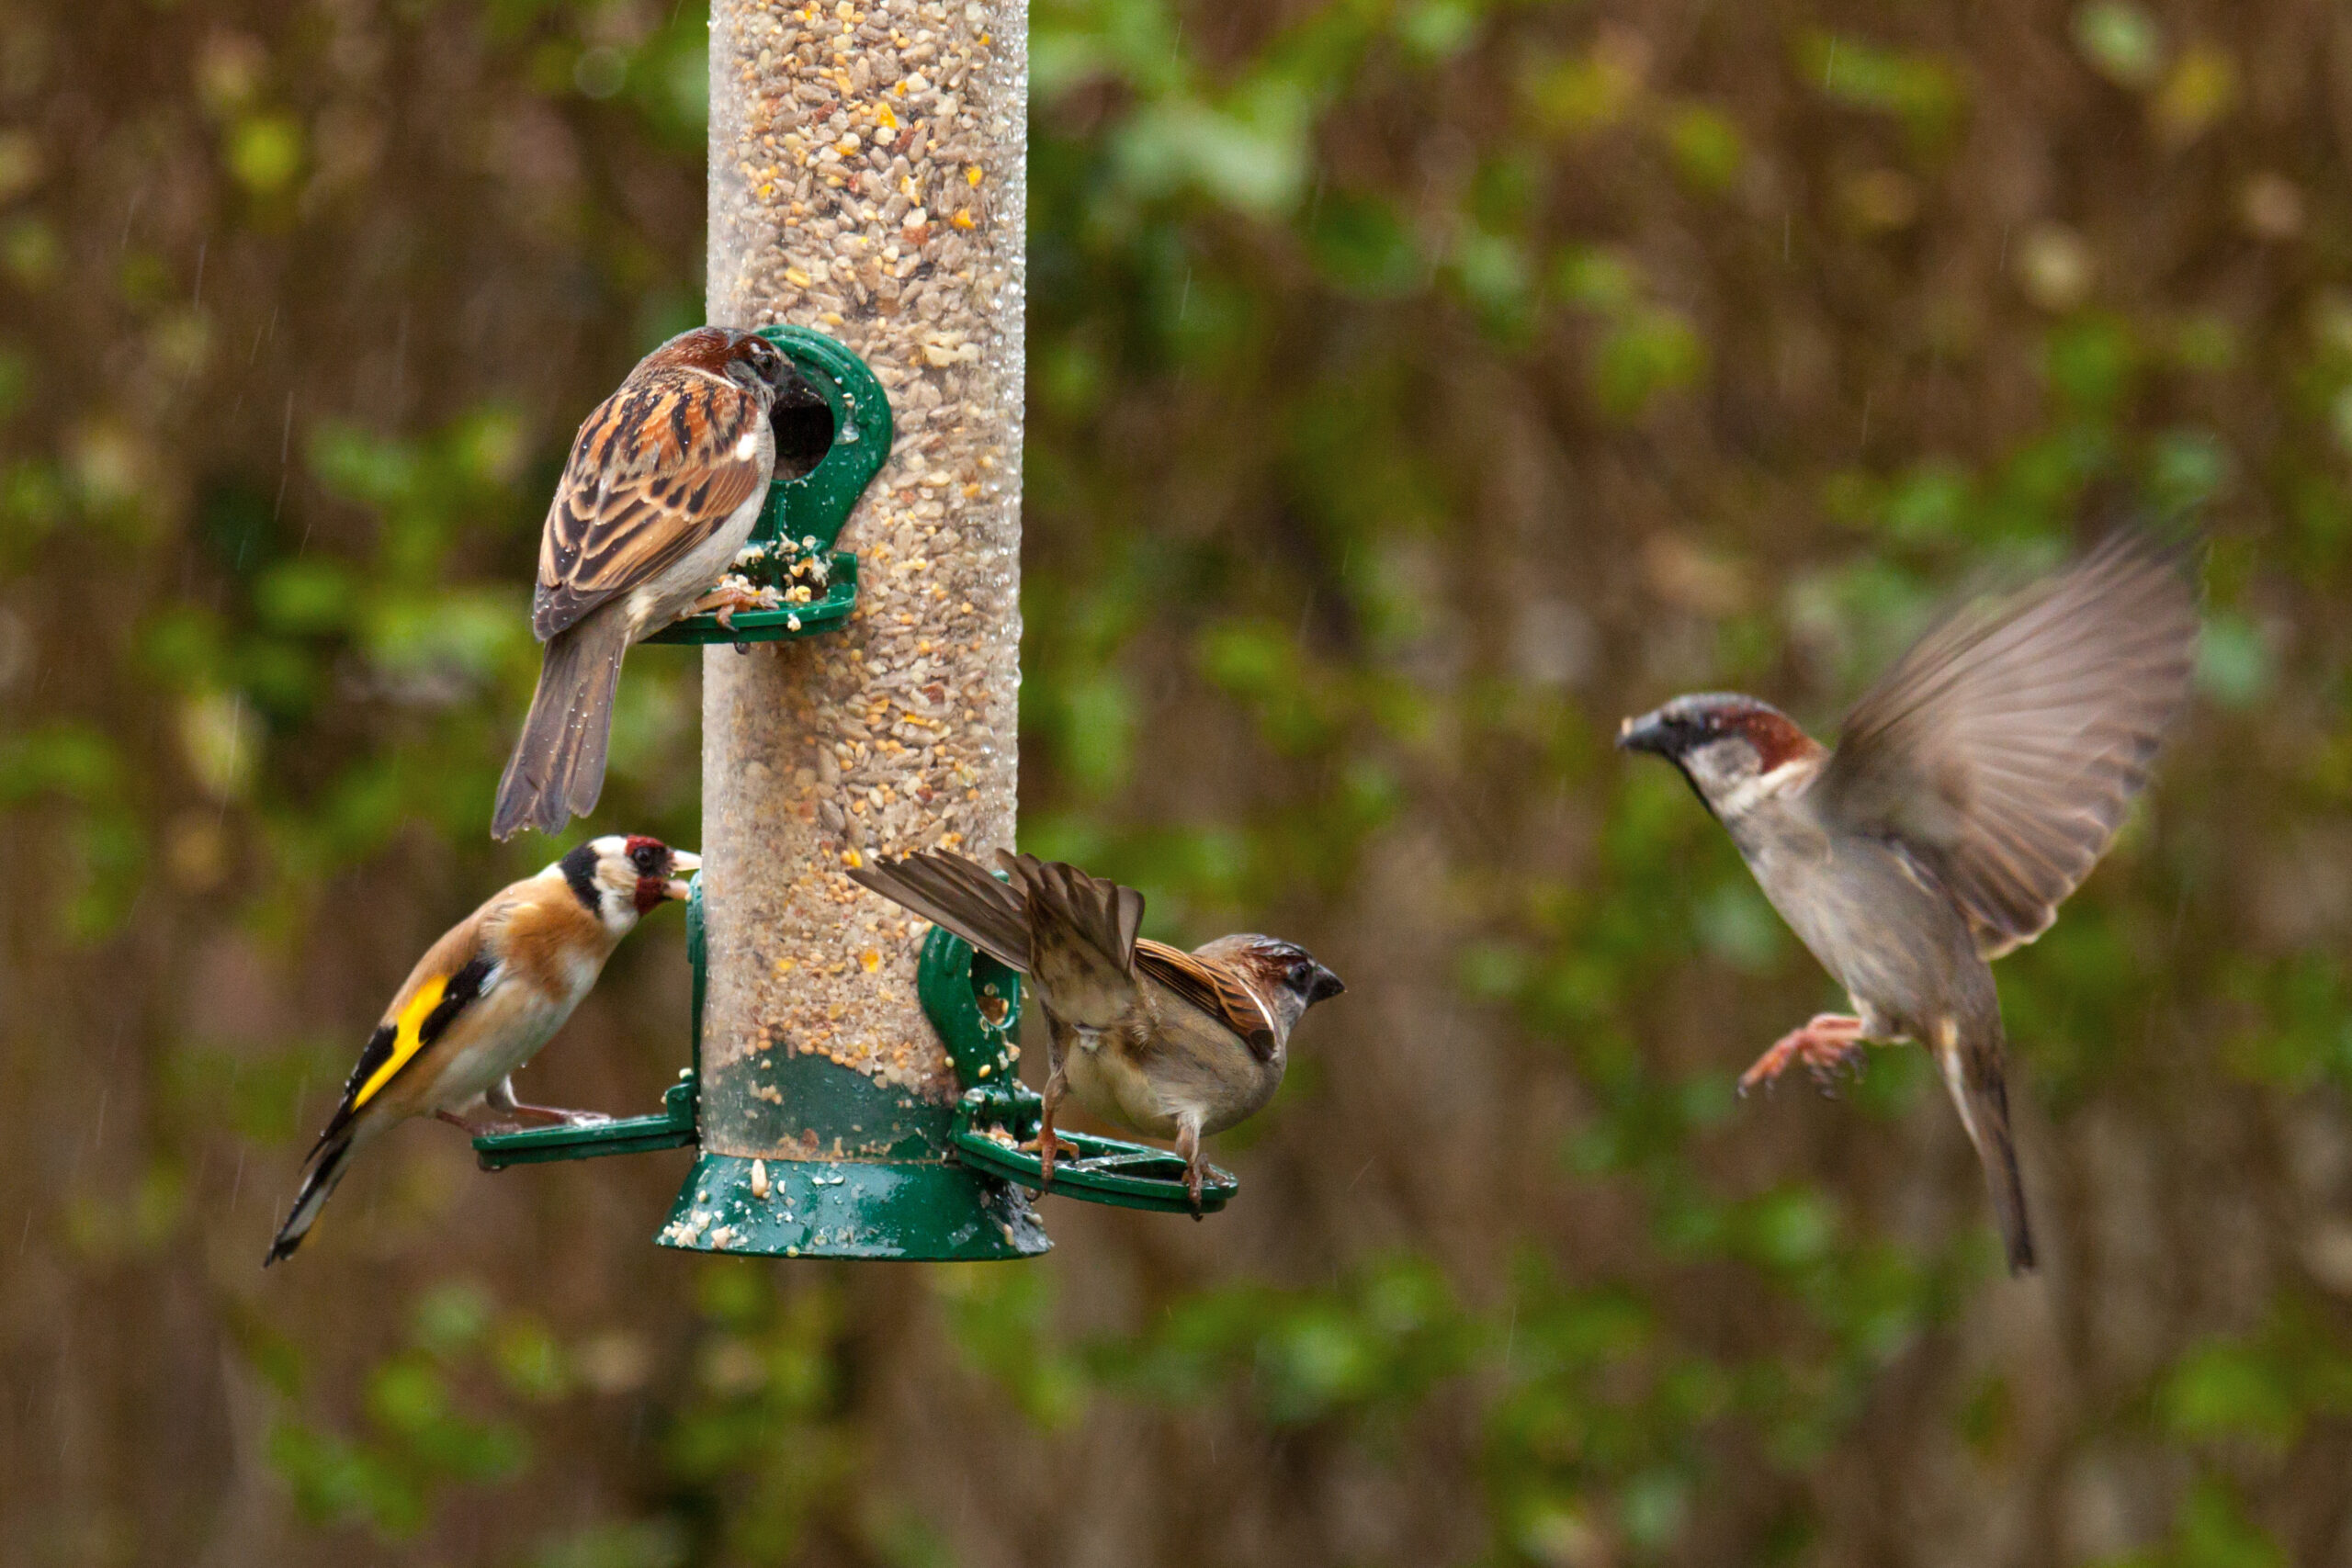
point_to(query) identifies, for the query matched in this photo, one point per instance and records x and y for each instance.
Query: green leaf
(1918, 89)
(1649, 352)
(2121, 40)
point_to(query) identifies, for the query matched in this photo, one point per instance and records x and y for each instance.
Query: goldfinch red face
(619, 878)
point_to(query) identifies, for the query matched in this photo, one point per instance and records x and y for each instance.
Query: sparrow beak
(686, 863)
(1324, 987)
(1650, 733)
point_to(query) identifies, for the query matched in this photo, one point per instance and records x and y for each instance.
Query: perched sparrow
(1972, 789)
(482, 1001)
(1170, 1044)
(666, 479)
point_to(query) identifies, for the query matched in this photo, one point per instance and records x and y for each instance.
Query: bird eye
(647, 858)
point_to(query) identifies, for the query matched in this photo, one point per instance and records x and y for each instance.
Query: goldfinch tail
(326, 1170)
(557, 769)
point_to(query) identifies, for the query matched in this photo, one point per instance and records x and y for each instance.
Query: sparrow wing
(950, 891)
(2004, 748)
(1081, 941)
(1214, 988)
(454, 975)
(656, 470)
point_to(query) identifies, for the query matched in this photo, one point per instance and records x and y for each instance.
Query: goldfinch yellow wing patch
(394, 1045)
(408, 1038)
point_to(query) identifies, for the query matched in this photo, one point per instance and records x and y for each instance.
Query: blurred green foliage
(1415, 385)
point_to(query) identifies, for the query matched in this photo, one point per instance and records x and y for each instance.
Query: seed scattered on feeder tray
(759, 1178)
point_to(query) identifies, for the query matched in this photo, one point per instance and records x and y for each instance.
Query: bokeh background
(1417, 385)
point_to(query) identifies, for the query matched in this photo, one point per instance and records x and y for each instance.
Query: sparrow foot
(1188, 1143)
(1829, 1041)
(734, 593)
(1049, 1147)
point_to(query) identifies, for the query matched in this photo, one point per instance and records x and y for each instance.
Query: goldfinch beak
(686, 863)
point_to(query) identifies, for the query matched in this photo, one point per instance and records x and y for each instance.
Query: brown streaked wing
(1213, 988)
(650, 479)
(2006, 747)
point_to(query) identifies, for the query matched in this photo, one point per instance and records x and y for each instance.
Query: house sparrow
(482, 1001)
(1170, 1044)
(666, 481)
(1972, 789)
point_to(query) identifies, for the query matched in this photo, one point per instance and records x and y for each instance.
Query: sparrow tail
(1081, 938)
(950, 891)
(557, 769)
(326, 1169)
(1972, 1070)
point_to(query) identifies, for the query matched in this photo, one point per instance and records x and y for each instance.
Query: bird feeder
(852, 1093)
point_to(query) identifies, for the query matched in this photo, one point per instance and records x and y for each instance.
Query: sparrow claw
(1047, 1154)
(1188, 1145)
(734, 593)
(1826, 1045)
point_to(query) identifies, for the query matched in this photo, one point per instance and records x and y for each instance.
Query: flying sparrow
(1972, 789)
(1170, 1044)
(666, 481)
(482, 1001)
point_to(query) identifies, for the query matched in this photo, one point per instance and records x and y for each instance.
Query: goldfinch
(482, 1002)
(1170, 1044)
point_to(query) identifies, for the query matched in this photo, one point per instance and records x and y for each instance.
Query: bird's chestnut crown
(704, 348)
(1289, 976)
(1719, 739)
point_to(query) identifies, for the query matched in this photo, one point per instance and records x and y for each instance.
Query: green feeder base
(900, 1210)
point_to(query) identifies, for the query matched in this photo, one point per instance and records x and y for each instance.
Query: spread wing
(1213, 988)
(2004, 748)
(656, 470)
